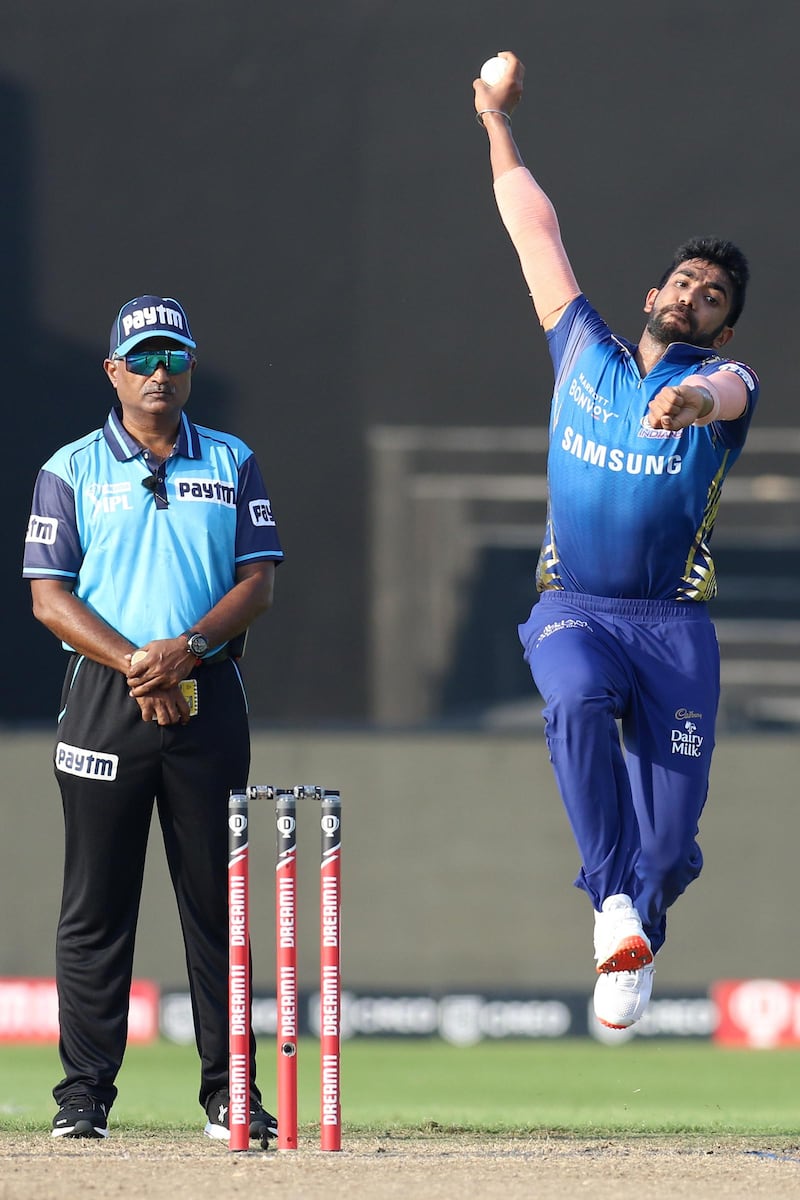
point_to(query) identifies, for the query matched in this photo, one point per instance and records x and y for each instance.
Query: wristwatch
(197, 644)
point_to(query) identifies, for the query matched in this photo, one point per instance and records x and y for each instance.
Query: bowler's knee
(670, 870)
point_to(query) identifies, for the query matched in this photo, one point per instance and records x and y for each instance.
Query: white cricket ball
(493, 70)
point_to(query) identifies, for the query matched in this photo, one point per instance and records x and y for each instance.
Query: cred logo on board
(758, 1012)
(29, 1011)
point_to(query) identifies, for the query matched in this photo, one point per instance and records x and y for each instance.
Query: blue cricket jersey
(631, 509)
(149, 570)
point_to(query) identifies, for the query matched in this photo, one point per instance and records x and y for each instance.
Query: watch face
(198, 644)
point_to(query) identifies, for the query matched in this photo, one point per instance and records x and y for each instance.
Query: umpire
(151, 534)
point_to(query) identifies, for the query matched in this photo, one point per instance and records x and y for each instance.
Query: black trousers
(111, 767)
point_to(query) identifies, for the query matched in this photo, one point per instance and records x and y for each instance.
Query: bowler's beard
(663, 328)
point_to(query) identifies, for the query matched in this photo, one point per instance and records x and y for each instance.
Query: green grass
(576, 1087)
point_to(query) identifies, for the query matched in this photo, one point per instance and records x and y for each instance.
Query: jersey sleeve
(52, 543)
(256, 532)
(579, 326)
(732, 434)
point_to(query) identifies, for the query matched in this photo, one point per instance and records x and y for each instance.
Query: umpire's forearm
(72, 622)
(250, 596)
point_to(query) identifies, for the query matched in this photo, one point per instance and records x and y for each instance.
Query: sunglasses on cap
(147, 362)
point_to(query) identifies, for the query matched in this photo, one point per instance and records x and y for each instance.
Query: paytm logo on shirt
(42, 530)
(212, 491)
(261, 512)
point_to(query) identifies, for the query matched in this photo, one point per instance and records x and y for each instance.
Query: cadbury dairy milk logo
(687, 741)
(152, 314)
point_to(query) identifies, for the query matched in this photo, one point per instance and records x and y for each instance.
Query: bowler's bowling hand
(507, 92)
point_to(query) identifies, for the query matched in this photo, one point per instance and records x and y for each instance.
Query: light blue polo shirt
(149, 570)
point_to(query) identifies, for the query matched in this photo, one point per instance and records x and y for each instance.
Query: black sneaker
(82, 1117)
(262, 1124)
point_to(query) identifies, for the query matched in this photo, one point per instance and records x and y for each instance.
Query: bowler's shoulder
(580, 329)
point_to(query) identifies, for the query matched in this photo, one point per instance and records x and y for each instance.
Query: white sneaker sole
(81, 1129)
(218, 1132)
(621, 998)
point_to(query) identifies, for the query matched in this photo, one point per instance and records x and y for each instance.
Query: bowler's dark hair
(723, 254)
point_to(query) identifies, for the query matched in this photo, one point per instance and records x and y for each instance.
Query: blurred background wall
(457, 864)
(310, 181)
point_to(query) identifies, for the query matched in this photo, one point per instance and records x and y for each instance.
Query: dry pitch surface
(437, 1166)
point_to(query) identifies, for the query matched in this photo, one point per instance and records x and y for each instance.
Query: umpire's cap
(146, 317)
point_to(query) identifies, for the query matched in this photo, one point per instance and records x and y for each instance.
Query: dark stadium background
(310, 181)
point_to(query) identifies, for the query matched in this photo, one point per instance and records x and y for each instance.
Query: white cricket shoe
(620, 943)
(620, 997)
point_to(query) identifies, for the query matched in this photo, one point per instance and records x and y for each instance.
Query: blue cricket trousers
(633, 804)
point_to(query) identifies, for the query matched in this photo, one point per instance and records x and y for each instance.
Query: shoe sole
(257, 1132)
(81, 1129)
(218, 1132)
(263, 1131)
(631, 954)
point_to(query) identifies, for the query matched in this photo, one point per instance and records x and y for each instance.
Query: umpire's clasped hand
(163, 664)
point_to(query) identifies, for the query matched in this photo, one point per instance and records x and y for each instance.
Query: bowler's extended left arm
(699, 400)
